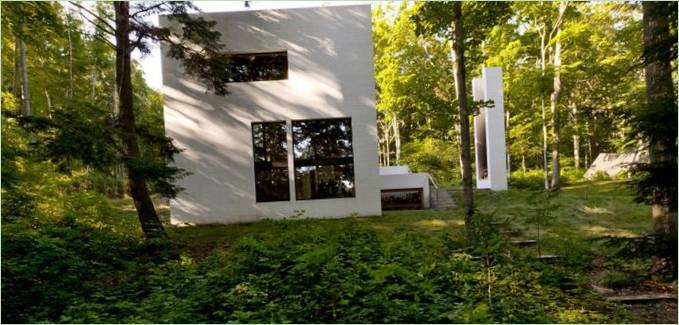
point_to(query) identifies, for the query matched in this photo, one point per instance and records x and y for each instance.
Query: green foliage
(532, 180)
(351, 276)
(571, 175)
(436, 157)
(414, 93)
(601, 175)
(89, 266)
(656, 181)
(615, 279)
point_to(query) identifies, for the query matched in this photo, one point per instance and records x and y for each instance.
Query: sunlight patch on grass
(594, 210)
(437, 224)
(603, 231)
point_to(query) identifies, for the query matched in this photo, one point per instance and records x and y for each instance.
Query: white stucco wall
(330, 75)
(392, 170)
(489, 87)
(408, 181)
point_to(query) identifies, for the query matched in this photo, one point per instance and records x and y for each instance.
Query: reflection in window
(259, 66)
(324, 159)
(271, 161)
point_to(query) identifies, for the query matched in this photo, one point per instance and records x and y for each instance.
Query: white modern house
(297, 134)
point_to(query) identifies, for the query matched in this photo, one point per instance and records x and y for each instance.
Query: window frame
(287, 157)
(325, 161)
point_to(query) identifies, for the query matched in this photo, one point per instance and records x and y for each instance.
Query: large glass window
(324, 158)
(271, 161)
(259, 66)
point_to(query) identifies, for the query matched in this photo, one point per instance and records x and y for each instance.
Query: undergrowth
(71, 272)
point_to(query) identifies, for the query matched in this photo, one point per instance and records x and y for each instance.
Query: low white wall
(403, 181)
(391, 170)
(330, 75)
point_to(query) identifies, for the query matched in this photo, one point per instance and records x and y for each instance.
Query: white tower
(489, 132)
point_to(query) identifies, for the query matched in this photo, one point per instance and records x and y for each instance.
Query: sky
(150, 63)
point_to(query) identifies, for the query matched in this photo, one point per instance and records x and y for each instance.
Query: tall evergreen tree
(132, 32)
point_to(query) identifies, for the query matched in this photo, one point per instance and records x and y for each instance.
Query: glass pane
(259, 66)
(322, 182)
(402, 199)
(271, 161)
(324, 163)
(322, 139)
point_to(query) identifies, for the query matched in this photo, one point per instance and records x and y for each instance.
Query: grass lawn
(401, 267)
(585, 211)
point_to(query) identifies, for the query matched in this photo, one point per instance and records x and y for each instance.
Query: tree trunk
(459, 152)
(543, 66)
(94, 84)
(523, 164)
(589, 158)
(16, 86)
(397, 137)
(386, 146)
(509, 157)
(150, 223)
(660, 95)
(576, 136)
(69, 92)
(25, 94)
(49, 103)
(556, 114)
(116, 105)
(461, 93)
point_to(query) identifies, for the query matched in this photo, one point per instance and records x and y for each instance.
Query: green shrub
(600, 175)
(570, 175)
(433, 156)
(531, 180)
(622, 175)
(616, 279)
(297, 271)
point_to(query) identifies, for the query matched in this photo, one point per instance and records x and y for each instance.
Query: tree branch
(99, 37)
(99, 27)
(111, 28)
(141, 11)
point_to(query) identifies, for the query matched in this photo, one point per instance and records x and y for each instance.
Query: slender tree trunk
(660, 95)
(69, 92)
(397, 137)
(387, 150)
(94, 84)
(16, 85)
(379, 150)
(461, 93)
(509, 157)
(523, 164)
(589, 158)
(49, 103)
(543, 66)
(25, 94)
(456, 133)
(148, 217)
(556, 114)
(576, 135)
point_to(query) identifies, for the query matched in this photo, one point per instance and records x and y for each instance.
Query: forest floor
(409, 266)
(589, 213)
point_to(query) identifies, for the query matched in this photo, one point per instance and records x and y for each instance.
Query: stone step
(443, 199)
(643, 298)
